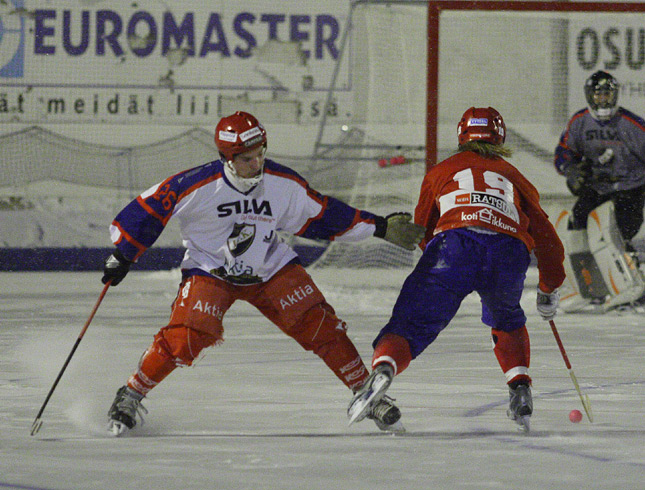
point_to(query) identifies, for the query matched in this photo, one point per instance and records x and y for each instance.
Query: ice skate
(386, 415)
(367, 397)
(124, 410)
(520, 406)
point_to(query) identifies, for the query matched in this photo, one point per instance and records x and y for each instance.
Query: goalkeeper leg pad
(584, 282)
(622, 277)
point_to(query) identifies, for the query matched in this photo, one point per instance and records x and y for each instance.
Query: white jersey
(231, 234)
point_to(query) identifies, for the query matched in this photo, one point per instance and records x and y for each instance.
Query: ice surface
(258, 412)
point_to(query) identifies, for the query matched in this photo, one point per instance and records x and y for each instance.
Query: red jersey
(468, 189)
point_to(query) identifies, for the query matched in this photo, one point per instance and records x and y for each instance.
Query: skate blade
(524, 423)
(117, 428)
(360, 407)
(358, 410)
(395, 428)
(36, 426)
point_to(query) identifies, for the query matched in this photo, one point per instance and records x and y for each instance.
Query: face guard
(601, 92)
(243, 184)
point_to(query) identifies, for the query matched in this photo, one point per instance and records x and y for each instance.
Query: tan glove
(398, 229)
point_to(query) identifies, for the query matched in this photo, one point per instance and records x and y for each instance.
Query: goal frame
(436, 7)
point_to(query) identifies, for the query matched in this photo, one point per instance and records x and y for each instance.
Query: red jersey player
(483, 218)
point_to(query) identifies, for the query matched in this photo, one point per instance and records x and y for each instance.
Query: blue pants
(456, 263)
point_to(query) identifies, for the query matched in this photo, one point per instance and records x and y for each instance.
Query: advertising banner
(185, 62)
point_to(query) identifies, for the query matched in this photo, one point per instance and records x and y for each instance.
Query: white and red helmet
(481, 124)
(238, 133)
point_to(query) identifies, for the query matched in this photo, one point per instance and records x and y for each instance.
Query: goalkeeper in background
(602, 154)
(483, 219)
(230, 212)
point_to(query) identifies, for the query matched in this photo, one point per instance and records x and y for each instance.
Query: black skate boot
(124, 410)
(520, 405)
(386, 415)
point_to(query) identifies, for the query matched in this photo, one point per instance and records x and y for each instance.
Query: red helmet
(238, 133)
(481, 124)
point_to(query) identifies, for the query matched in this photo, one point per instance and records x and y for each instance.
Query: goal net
(57, 191)
(529, 60)
(406, 71)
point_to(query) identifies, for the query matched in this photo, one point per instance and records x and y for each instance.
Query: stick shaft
(37, 423)
(584, 399)
(559, 341)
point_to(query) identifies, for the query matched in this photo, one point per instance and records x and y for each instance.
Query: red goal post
(438, 9)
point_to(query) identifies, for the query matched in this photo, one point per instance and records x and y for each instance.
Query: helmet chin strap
(241, 184)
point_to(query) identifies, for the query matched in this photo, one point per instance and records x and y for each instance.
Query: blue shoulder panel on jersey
(336, 219)
(275, 168)
(565, 156)
(639, 121)
(142, 220)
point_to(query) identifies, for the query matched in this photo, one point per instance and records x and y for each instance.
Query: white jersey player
(230, 212)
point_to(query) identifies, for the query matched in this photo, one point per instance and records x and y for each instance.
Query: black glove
(396, 228)
(578, 175)
(116, 268)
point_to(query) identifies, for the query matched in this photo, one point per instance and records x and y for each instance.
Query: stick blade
(586, 404)
(35, 427)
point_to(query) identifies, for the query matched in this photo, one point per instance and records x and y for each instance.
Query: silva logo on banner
(12, 41)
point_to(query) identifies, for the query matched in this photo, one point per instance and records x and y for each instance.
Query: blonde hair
(487, 150)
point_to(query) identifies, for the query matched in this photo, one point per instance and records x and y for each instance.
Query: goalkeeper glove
(116, 268)
(397, 228)
(578, 175)
(547, 303)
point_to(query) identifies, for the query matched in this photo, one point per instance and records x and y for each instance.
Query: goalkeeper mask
(601, 92)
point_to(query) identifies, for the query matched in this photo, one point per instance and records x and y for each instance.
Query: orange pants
(290, 299)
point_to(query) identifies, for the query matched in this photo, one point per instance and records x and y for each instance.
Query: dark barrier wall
(91, 259)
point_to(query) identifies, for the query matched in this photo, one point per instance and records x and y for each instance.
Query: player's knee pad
(513, 352)
(318, 327)
(319, 330)
(182, 344)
